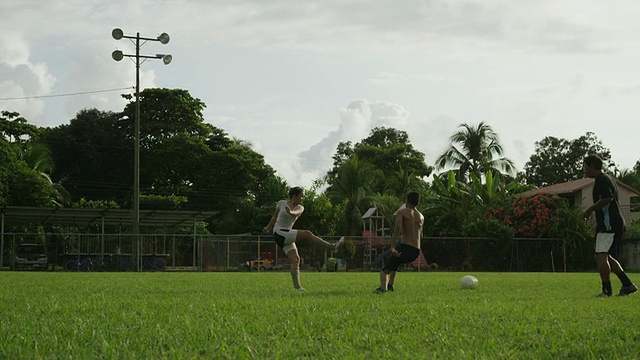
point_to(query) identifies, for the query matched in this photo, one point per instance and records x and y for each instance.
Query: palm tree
(401, 182)
(353, 186)
(475, 149)
(38, 157)
(629, 177)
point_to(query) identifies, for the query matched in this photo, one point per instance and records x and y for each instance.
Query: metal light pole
(117, 55)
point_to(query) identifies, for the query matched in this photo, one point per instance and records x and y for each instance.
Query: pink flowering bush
(547, 216)
(535, 216)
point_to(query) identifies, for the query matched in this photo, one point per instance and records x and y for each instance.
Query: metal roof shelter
(10, 215)
(106, 217)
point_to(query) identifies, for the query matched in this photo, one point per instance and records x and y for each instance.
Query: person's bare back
(409, 223)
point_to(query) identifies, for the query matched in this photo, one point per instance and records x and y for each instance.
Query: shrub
(494, 252)
(633, 230)
(534, 216)
(332, 264)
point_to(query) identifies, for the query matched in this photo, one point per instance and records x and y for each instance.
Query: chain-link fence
(179, 252)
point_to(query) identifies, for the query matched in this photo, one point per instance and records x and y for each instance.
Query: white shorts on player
(289, 239)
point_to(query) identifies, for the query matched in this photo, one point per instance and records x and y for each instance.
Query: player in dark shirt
(610, 226)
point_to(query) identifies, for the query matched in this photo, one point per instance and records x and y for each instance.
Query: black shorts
(279, 239)
(616, 248)
(408, 254)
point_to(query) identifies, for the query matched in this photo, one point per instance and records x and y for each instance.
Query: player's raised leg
(306, 235)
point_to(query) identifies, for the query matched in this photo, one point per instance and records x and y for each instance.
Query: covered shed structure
(97, 232)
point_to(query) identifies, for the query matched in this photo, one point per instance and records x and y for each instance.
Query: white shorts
(604, 242)
(289, 239)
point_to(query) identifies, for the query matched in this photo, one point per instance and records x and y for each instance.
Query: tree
(38, 158)
(629, 177)
(14, 128)
(477, 150)
(93, 158)
(447, 206)
(558, 160)
(165, 113)
(182, 155)
(19, 184)
(389, 151)
(351, 188)
(25, 164)
(320, 216)
(233, 172)
(401, 182)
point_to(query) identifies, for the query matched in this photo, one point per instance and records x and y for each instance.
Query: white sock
(295, 276)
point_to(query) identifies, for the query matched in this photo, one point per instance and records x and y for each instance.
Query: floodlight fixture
(163, 38)
(166, 58)
(117, 55)
(117, 34)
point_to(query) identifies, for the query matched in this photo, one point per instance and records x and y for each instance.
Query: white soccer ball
(469, 282)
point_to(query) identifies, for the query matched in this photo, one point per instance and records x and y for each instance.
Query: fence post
(194, 245)
(564, 254)
(2, 242)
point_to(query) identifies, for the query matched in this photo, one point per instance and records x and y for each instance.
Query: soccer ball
(469, 282)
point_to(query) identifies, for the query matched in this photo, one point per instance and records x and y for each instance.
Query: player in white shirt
(281, 223)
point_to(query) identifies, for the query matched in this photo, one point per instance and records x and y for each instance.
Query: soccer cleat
(300, 289)
(380, 291)
(603, 295)
(390, 287)
(626, 290)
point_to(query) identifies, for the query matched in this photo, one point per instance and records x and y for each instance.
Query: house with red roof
(579, 192)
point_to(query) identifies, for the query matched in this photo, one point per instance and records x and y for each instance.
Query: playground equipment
(373, 233)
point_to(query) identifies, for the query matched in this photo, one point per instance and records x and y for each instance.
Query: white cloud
(21, 79)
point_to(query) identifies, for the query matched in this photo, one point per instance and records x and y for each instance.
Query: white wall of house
(584, 198)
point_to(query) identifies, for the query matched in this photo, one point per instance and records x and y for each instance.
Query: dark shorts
(408, 254)
(279, 239)
(616, 248)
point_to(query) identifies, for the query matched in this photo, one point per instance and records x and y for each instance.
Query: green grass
(259, 315)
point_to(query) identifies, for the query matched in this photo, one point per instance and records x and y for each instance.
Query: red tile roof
(574, 186)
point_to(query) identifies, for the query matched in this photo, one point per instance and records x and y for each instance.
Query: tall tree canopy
(351, 188)
(557, 160)
(93, 159)
(20, 184)
(14, 128)
(390, 151)
(180, 154)
(477, 150)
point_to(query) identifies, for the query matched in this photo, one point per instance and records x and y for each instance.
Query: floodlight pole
(136, 161)
(117, 55)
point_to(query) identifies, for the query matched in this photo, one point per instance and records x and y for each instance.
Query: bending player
(409, 223)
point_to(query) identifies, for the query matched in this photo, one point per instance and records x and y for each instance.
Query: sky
(293, 77)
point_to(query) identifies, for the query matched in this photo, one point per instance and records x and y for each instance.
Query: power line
(67, 94)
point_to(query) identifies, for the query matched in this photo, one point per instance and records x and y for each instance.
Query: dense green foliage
(388, 151)
(259, 316)
(181, 155)
(558, 160)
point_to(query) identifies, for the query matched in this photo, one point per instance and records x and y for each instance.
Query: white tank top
(284, 220)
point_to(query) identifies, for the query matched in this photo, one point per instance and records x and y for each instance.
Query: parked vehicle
(31, 257)
(262, 264)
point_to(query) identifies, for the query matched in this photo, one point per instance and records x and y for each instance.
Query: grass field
(259, 315)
